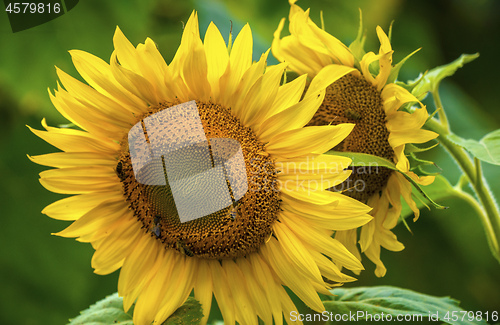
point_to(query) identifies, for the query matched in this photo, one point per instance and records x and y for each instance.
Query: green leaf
(410, 147)
(393, 76)
(487, 149)
(440, 189)
(431, 79)
(109, 311)
(357, 46)
(366, 160)
(362, 302)
(188, 314)
(420, 165)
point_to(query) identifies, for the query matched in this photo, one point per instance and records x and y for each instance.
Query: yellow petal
(406, 187)
(348, 238)
(172, 294)
(133, 82)
(240, 60)
(316, 139)
(97, 74)
(373, 253)
(394, 96)
(276, 44)
(71, 140)
(245, 311)
(398, 138)
(288, 94)
(125, 51)
(313, 37)
(74, 159)
(87, 117)
(328, 75)
(256, 291)
(300, 285)
(323, 243)
(296, 252)
(247, 82)
(203, 288)
(328, 269)
(400, 120)
(195, 72)
(325, 217)
(153, 67)
(385, 60)
(148, 303)
(89, 96)
(99, 217)
(72, 208)
(222, 292)
(76, 180)
(217, 57)
(300, 58)
(294, 117)
(95, 171)
(385, 43)
(365, 63)
(137, 267)
(261, 96)
(115, 248)
(320, 164)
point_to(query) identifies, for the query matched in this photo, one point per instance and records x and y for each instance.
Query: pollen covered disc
(191, 175)
(352, 99)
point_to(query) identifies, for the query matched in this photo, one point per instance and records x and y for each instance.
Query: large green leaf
(366, 160)
(367, 304)
(430, 81)
(109, 311)
(487, 149)
(188, 314)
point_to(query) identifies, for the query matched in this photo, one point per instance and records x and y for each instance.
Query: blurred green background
(47, 279)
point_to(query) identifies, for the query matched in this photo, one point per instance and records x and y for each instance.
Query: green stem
(439, 107)
(487, 210)
(462, 182)
(487, 225)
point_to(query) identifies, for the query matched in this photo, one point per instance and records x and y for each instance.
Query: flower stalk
(485, 204)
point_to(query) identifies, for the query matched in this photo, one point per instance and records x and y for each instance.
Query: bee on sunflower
(369, 98)
(277, 234)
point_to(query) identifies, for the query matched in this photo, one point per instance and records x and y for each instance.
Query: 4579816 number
(471, 316)
(33, 8)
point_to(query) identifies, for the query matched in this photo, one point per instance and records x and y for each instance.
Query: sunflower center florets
(352, 99)
(207, 193)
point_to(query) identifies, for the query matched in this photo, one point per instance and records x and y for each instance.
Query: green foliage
(363, 159)
(107, 311)
(40, 287)
(188, 314)
(366, 160)
(357, 47)
(432, 79)
(487, 149)
(439, 190)
(110, 311)
(395, 301)
(395, 70)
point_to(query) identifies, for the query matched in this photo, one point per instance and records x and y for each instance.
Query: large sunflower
(131, 190)
(369, 98)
